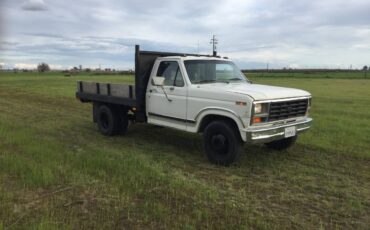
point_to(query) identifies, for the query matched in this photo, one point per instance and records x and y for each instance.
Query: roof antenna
(214, 42)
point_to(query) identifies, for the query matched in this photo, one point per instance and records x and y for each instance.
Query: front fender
(221, 112)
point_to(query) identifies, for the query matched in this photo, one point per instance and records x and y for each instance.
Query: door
(171, 110)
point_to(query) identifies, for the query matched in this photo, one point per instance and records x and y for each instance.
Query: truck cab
(208, 95)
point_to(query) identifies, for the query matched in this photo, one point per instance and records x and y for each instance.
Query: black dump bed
(122, 94)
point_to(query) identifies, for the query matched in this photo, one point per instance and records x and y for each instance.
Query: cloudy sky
(283, 33)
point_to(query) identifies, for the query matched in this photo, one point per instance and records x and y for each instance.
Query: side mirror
(158, 81)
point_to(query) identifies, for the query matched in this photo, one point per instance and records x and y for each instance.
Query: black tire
(122, 123)
(282, 144)
(108, 120)
(222, 142)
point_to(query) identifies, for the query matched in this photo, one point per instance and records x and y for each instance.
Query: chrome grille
(287, 109)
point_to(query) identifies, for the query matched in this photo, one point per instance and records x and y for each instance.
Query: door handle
(150, 91)
(172, 88)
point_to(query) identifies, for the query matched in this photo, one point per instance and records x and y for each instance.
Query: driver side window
(171, 72)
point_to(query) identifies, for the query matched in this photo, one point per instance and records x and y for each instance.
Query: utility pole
(214, 42)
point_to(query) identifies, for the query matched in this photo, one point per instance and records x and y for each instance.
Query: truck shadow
(189, 147)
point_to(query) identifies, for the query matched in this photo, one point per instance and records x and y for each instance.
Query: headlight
(309, 106)
(260, 113)
(260, 108)
(257, 108)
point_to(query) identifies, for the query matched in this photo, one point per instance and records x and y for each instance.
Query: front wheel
(222, 142)
(282, 144)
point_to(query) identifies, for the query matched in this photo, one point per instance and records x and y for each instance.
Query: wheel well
(210, 118)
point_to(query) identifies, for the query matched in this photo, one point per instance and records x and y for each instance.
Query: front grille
(287, 109)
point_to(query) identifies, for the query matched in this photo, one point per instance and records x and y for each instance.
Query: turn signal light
(257, 120)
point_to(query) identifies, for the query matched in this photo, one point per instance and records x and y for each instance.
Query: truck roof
(192, 57)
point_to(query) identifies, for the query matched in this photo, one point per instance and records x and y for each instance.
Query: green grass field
(58, 172)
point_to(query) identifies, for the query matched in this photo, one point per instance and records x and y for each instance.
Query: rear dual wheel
(112, 120)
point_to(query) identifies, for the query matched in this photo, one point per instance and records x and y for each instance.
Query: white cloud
(25, 66)
(56, 67)
(91, 32)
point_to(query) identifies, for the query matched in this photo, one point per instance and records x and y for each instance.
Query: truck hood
(259, 92)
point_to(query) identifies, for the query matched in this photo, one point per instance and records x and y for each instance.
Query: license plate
(290, 131)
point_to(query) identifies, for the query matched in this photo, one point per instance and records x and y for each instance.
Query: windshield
(208, 71)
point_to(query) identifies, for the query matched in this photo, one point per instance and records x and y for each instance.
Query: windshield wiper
(215, 81)
(228, 80)
(235, 79)
(205, 81)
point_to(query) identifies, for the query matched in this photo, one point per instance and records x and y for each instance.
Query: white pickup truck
(200, 94)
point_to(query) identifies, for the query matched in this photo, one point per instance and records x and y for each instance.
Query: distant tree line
(287, 70)
(43, 67)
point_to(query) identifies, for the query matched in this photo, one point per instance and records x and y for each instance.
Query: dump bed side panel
(106, 92)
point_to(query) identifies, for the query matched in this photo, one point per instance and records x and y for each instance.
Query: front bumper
(274, 132)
